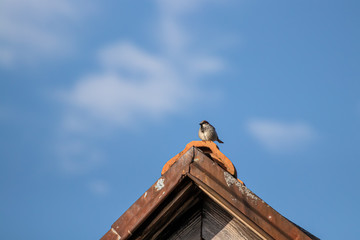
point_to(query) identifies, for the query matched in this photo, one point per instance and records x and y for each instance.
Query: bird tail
(219, 141)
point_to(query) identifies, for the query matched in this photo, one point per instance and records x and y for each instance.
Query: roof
(199, 177)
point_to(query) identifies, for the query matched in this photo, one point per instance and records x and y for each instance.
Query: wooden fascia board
(224, 188)
(132, 218)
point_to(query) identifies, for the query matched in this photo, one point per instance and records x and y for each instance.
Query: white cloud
(170, 13)
(280, 136)
(34, 29)
(125, 56)
(133, 83)
(173, 30)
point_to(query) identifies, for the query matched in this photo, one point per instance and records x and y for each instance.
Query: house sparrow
(208, 133)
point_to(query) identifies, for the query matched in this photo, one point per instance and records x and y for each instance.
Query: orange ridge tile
(208, 147)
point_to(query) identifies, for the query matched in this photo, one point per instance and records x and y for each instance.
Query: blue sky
(96, 97)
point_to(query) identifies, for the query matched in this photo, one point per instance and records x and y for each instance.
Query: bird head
(204, 122)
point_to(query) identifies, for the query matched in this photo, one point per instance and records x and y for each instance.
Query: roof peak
(197, 176)
(210, 149)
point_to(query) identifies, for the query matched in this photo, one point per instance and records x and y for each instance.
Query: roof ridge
(209, 148)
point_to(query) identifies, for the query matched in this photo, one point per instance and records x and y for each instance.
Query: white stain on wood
(161, 194)
(118, 236)
(230, 180)
(160, 184)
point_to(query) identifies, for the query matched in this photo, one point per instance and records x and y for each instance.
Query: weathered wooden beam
(152, 198)
(238, 199)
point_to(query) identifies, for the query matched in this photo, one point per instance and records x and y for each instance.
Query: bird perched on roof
(208, 133)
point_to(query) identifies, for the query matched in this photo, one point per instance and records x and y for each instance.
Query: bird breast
(207, 134)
